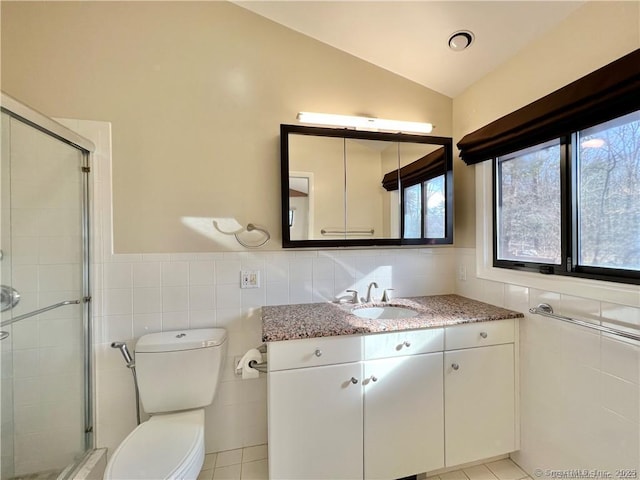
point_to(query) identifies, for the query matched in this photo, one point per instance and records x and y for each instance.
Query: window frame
(569, 213)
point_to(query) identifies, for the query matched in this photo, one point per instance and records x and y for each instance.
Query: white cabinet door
(479, 400)
(403, 416)
(315, 423)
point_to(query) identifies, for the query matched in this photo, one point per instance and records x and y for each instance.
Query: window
(529, 201)
(608, 203)
(572, 206)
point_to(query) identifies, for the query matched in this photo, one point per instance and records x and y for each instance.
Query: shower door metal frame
(44, 124)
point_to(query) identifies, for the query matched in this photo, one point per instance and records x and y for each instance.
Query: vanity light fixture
(461, 40)
(364, 123)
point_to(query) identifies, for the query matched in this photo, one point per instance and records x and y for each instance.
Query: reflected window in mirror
(423, 209)
(412, 211)
(422, 179)
(355, 188)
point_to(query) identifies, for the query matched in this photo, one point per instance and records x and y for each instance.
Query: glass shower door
(43, 357)
(6, 357)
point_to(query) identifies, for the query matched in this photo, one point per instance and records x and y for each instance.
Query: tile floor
(250, 463)
(498, 470)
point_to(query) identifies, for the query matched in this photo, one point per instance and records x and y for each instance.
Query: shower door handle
(9, 297)
(39, 311)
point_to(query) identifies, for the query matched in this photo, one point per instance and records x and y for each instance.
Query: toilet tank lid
(181, 340)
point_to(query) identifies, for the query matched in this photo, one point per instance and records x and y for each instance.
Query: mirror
(355, 188)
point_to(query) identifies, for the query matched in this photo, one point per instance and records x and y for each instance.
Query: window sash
(569, 265)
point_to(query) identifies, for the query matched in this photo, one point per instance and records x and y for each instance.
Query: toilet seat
(168, 446)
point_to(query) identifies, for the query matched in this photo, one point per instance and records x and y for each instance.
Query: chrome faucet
(369, 299)
(386, 296)
(354, 296)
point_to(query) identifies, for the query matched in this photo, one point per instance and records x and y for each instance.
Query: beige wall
(365, 194)
(594, 35)
(324, 158)
(195, 92)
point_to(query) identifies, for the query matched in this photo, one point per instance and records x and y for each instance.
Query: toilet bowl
(168, 446)
(178, 375)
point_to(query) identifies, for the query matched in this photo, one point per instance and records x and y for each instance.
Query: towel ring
(250, 227)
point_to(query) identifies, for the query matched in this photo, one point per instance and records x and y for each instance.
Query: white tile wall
(579, 395)
(208, 294)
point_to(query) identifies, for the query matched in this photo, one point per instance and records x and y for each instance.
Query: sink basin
(384, 313)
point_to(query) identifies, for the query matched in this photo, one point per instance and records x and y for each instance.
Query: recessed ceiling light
(461, 40)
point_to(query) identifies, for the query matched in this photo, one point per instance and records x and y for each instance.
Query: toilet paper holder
(259, 366)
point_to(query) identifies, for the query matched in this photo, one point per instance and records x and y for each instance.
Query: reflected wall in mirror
(355, 188)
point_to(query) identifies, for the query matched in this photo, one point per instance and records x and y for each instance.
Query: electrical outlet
(250, 279)
(462, 273)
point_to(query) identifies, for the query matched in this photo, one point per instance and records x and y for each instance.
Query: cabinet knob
(354, 380)
(374, 378)
(455, 366)
(318, 352)
(406, 344)
(483, 334)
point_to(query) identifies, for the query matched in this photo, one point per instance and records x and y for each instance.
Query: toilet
(178, 375)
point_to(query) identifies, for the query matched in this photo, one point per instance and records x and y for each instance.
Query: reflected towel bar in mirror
(349, 231)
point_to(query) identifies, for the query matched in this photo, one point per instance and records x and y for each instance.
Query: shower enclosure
(45, 332)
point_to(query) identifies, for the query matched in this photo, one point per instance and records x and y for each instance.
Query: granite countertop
(290, 322)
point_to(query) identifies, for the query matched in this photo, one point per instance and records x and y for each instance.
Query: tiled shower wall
(579, 390)
(42, 377)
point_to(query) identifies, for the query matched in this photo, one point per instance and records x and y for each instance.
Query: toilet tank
(179, 370)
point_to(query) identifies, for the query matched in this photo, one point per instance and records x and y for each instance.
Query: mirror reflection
(345, 187)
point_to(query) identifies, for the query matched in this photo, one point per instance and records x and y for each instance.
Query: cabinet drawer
(479, 334)
(313, 352)
(408, 342)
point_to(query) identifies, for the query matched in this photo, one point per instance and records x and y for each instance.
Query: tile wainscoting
(151, 293)
(579, 389)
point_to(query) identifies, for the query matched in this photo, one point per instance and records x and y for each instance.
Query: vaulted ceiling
(410, 38)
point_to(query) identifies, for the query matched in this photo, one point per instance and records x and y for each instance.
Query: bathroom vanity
(351, 397)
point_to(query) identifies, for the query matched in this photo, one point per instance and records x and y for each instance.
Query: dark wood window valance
(607, 93)
(423, 169)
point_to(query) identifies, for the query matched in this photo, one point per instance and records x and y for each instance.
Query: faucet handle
(386, 296)
(354, 293)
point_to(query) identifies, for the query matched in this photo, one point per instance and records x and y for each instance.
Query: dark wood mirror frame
(445, 142)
